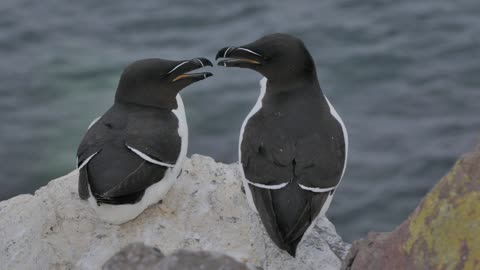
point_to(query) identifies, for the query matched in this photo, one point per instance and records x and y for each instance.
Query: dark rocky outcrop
(442, 233)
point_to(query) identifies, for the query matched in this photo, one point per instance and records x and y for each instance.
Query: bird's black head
(156, 82)
(279, 57)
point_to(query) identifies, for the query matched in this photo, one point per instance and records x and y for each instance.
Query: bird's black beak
(239, 57)
(179, 73)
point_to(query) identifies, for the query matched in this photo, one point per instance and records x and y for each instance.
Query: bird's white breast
(334, 113)
(255, 109)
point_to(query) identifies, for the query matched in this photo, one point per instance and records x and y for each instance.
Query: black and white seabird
(293, 144)
(131, 156)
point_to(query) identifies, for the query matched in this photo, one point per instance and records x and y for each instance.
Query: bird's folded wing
(303, 214)
(308, 215)
(154, 135)
(92, 142)
(264, 205)
(141, 178)
(319, 162)
(267, 164)
(100, 131)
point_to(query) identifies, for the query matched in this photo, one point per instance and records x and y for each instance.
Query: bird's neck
(294, 95)
(304, 87)
(170, 104)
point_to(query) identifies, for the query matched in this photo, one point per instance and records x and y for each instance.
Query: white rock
(205, 210)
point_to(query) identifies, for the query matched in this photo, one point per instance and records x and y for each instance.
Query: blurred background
(404, 76)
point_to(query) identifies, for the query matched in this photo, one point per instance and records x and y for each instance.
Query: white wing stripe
(317, 190)
(279, 186)
(86, 161)
(149, 159)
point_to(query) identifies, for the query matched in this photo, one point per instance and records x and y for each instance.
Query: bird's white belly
(334, 113)
(118, 214)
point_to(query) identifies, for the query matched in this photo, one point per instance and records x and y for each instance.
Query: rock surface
(442, 233)
(135, 256)
(140, 257)
(205, 210)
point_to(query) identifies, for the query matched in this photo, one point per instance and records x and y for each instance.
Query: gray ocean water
(404, 76)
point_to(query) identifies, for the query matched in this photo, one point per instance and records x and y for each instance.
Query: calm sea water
(404, 75)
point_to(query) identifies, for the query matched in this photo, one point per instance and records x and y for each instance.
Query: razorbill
(131, 156)
(293, 144)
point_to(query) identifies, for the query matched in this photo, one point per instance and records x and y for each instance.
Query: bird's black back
(293, 138)
(116, 174)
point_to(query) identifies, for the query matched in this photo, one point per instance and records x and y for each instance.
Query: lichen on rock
(442, 232)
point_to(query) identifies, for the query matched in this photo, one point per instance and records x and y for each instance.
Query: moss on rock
(442, 233)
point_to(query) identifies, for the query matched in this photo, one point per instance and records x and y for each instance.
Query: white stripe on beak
(226, 51)
(177, 66)
(200, 61)
(250, 51)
